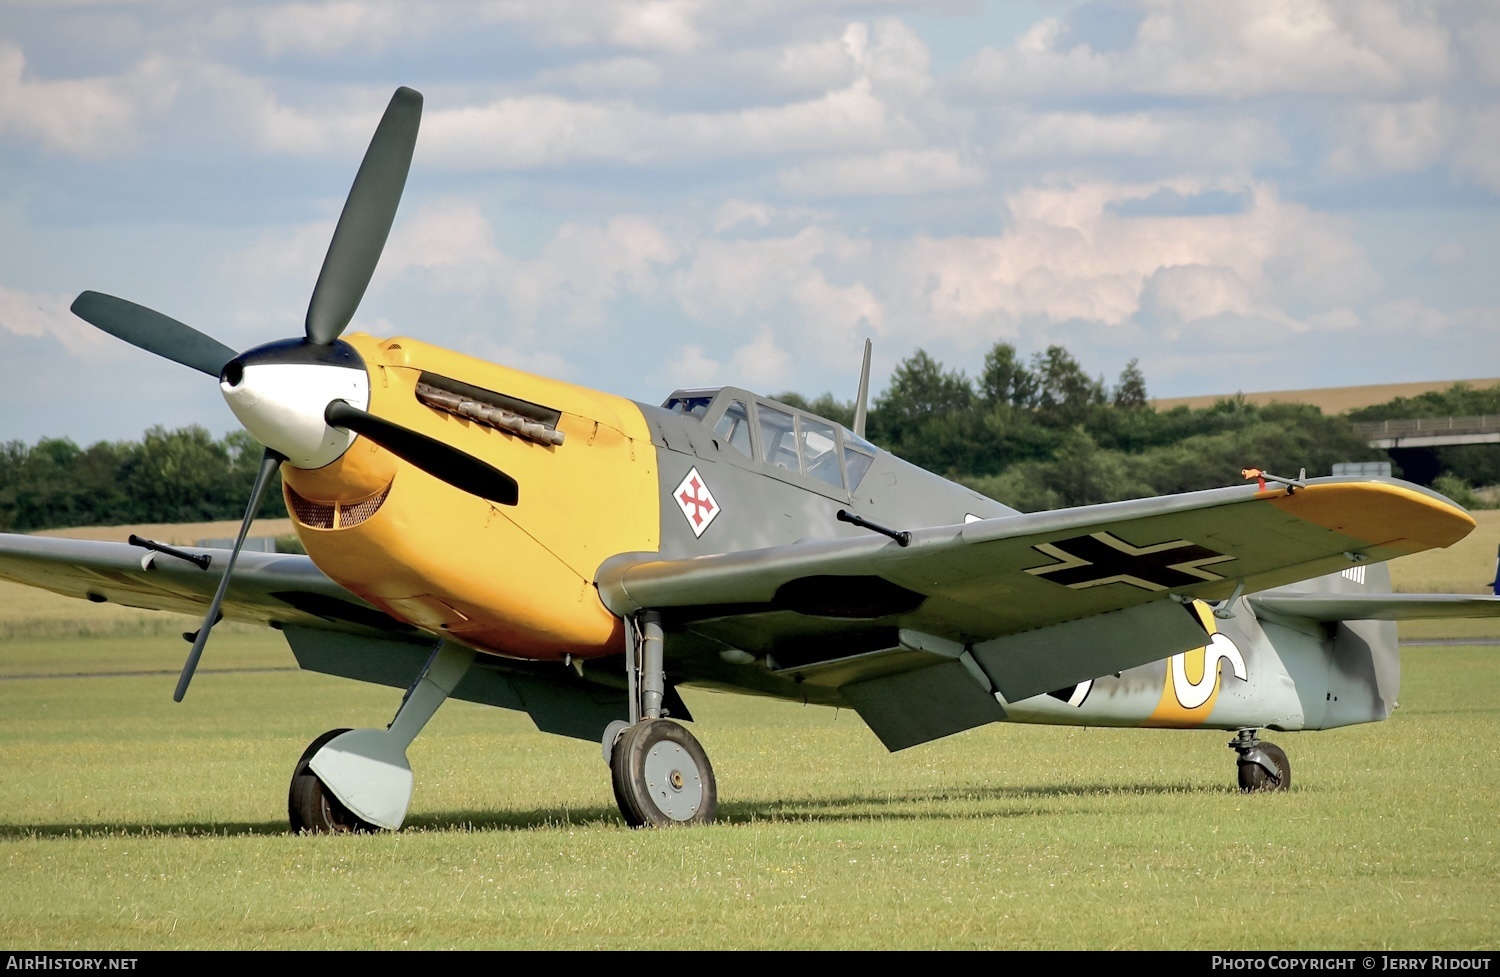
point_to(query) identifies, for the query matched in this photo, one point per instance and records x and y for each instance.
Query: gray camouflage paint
(1299, 674)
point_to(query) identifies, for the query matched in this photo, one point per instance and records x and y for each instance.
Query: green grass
(128, 821)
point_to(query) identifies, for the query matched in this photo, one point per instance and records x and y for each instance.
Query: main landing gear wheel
(311, 806)
(1263, 766)
(1255, 777)
(662, 777)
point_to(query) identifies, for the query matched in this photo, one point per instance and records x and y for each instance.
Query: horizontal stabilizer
(1376, 607)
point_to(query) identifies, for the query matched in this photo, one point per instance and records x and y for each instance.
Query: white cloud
(38, 314)
(738, 277)
(578, 272)
(896, 171)
(81, 115)
(1449, 254)
(1183, 293)
(1068, 255)
(817, 65)
(1479, 153)
(836, 318)
(542, 362)
(732, 213)
(760, 364)
(322, 28)
(611, 75)
(251, 112)
(1395, 137)
(1234, 49)
(659, 25)
(691, 367)
(1483, 40)
(1219, 137)
(1409, 317)
(544, 130)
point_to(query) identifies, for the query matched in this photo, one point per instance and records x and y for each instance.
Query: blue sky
(1246, 194)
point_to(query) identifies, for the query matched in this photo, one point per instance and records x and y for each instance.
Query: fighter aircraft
(479, 532)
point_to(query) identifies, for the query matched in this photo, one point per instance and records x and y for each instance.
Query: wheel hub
(675, 785)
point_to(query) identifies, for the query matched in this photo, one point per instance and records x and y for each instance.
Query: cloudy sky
(1244, 194)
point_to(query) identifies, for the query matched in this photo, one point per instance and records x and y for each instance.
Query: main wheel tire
(311, 806)
(662, 777)
(1254, 777)
(617, 778)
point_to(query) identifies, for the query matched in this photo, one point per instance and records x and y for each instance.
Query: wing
(268, 588)
(1028, 603)
(330, 630)
(1376, 607)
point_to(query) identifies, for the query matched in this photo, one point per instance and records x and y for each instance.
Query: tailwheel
(311, 806)
(662, 777)
(1263, 766)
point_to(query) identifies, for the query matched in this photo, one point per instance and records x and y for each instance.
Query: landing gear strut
(660, 773)
(311, 807)
(359, 779)
(1262, 765)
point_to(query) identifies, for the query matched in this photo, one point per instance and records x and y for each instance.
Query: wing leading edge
(267, 588)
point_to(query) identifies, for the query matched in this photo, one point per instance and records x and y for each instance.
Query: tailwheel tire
(662, 777)
(1254, 777)
(310, 805)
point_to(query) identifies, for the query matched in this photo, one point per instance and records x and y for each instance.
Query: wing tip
(1387, 513)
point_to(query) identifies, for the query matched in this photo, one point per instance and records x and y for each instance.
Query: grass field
(131, 822)
(128, 821)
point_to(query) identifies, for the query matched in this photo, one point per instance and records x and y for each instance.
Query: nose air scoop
(280, 391)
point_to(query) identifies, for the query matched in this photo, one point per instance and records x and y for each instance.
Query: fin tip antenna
(863, 397)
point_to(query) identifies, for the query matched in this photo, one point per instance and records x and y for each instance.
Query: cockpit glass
(820, 452)
(694, 406)
(858, 464)
(734, 427)
(778, 438)
(855, 441)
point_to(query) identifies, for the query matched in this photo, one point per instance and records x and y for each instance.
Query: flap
(1377, 607)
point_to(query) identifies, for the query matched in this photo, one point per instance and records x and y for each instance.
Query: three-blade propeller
(353, 254)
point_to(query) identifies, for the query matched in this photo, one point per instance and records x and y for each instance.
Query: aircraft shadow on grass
(891, 806)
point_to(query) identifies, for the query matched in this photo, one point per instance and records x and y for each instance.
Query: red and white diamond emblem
(696, 501)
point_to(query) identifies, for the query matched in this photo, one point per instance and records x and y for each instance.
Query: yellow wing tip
(1381, 513)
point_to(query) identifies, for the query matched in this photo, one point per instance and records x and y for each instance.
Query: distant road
(1332, 400)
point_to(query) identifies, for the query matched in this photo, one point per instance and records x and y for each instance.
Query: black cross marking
(1104, 558)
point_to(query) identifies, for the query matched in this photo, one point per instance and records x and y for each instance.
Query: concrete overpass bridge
(1431, 432)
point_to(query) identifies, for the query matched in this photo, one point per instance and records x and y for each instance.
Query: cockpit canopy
(779, 436)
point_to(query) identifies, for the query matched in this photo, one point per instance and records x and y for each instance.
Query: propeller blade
(461, 470)
(153, 332)
(269, 462)
(366, 221)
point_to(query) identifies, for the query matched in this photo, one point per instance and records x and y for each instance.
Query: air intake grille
(322, 515)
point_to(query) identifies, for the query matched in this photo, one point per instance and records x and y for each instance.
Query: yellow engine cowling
(515, 580)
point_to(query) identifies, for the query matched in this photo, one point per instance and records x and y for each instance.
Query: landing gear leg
(360, 780)
(1262, 765)
(660, 774)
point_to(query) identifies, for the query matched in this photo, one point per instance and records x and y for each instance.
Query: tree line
(1037, 433)
(1042, 433)
(166, 477)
